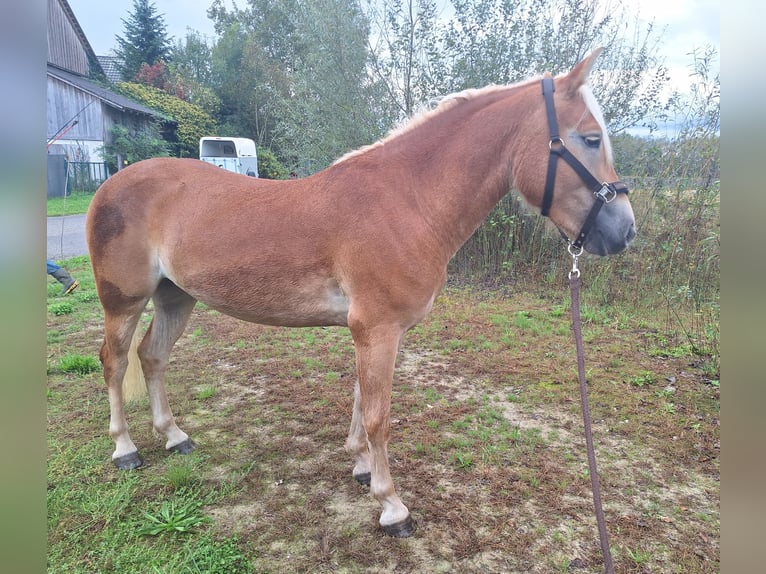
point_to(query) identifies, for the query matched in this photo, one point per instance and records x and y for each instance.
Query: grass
(486, 447)
(79, 364)
(73, 204)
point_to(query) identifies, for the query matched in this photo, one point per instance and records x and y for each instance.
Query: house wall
(84, 141)
(64, 46)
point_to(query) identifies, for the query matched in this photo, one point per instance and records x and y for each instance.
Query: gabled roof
(108, 97)
(110, 65)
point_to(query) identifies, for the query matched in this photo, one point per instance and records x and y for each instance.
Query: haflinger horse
(364, 243)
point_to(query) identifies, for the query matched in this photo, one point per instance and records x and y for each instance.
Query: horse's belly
(287, 305)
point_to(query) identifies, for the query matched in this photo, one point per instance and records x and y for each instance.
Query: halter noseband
(603, 192)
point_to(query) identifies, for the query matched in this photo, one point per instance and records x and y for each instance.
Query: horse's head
(578, 189)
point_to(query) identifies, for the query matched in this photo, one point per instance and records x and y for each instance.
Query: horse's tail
(134, 385)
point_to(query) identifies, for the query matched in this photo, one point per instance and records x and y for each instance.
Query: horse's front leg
(376, 350)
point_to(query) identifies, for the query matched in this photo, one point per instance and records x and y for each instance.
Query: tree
(245, 80)
(145, 39)
(190, 69)
(506, 41)
(292, 75)
(405, 52)
(329, 107)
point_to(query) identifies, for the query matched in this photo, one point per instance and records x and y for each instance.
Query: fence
(85, 176)
(75, 176)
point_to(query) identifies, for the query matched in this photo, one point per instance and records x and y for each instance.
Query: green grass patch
(74, 204)
(79, 364)
(61, 308)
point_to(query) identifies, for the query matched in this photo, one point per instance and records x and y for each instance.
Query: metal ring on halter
(580, 249)
(556, 140)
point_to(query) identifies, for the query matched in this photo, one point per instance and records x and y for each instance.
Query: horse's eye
(592, 141)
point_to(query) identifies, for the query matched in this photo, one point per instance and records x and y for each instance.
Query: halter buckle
(607, 193)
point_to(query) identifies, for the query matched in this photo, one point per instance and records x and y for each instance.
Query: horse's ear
(579, 74)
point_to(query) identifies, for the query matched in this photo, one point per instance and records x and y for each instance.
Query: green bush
(269, 167)
(193, 122)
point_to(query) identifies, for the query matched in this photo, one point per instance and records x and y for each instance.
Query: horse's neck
(459, 172)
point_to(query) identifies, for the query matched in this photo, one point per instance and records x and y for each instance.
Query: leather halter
(603, 192)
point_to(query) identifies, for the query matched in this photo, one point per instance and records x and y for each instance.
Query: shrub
(193, 122)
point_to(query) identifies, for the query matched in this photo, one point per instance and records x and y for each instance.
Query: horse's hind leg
(118, 332)
(356, 443)
(172, 308)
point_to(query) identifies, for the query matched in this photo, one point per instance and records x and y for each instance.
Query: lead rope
(574, 283)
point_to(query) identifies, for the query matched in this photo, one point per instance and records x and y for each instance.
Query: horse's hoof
(402, 529)
(184, 447)
(128, 461)
(363, 479)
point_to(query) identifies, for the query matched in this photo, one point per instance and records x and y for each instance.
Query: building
(81, 108)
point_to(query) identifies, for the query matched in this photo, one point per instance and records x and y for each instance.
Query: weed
(61, 308)
(643, 378)
(432, 396)
(85, 296)
(638, 557)
(172, 517)
(522, 320)
(79, 364)
(206, 392)
(462, 460)
(669, 408)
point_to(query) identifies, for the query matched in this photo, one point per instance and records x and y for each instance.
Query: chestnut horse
(364, 243)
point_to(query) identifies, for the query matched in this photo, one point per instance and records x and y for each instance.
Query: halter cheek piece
(603, 192)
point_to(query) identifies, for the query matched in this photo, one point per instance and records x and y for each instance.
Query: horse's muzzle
(609, 237)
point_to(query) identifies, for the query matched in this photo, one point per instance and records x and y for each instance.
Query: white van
(233, 154)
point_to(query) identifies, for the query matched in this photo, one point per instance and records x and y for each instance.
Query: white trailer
(233, 154)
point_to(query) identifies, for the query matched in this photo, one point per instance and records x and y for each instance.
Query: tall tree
(505, 41)
(292, 74)
(145, 40)
(191, 67)
(405, 51)
(329, 108)
(251, 60)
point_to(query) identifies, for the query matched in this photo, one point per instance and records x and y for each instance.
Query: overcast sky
(685, 24)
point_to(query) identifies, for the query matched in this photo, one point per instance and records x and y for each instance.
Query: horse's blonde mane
(427, 111)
